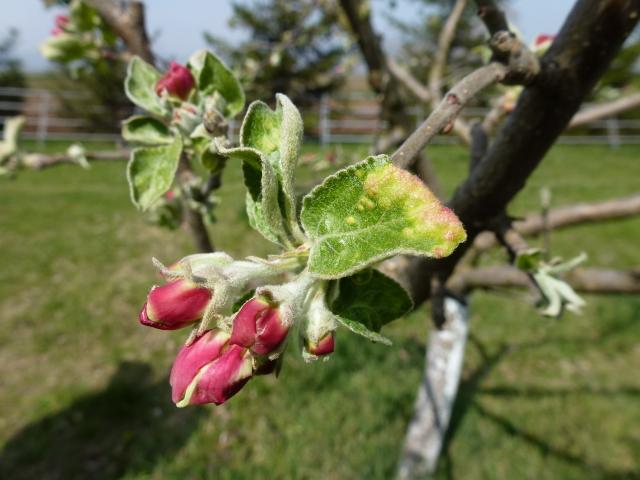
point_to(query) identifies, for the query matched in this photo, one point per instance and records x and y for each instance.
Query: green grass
(84, 390)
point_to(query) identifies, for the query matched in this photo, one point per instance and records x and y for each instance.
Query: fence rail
(351, 117)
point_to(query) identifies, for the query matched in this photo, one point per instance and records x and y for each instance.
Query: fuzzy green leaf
(370, 299)
(146, 130)
(150, 172)
(212, 75)
(277, 135)
(67, 47)
(371, 211)
(262, 185)
(140, 86)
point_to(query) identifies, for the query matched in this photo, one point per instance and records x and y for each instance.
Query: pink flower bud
(61, 21)
(177, 81)
(259, 325)
(174, 305)
(209, 370)
(325, 346)
(543, 39)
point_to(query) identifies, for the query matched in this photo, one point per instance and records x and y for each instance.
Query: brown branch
(447, 111)
(128, 23)
(404, 76)
(444, 45)
(587, 280)
(39, 161)
(492, 16)
(605, 110)
(562, 217)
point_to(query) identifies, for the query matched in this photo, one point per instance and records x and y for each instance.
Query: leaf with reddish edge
(371, 211)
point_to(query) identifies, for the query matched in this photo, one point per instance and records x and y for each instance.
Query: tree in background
(293, 47)
(11, 74)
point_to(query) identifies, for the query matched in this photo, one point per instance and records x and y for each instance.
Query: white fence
(341, 118)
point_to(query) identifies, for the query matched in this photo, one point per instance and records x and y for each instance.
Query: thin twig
(448, 109)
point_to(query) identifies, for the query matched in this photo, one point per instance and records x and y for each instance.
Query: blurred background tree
(11, 73)
(294, 47)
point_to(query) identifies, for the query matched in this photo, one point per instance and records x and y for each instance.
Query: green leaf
(146, 130)
(371, 211)
(278, 135)
(262, 185)
(212, 75)
(529, 260)
(140, 86)
(67, 47)
(82, 17)
(370, 299)
(359, 329)
(150, 172)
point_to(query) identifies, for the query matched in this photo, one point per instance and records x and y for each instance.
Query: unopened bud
(177, 81)
(209, 370)
(324, 346)
(61, 23)
(174, 305)
(318, 331)
(259, 325)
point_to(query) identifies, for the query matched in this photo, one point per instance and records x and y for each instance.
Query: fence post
(613, 132)
(43, 118)
(323, 123)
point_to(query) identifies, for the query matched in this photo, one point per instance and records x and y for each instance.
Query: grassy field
(84, 392)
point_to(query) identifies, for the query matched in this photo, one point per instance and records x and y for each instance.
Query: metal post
(613, 132)
(43, 118)
(324, 124)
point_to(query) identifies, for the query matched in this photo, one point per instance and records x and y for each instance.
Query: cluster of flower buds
(217, 362)
(61, 23)
(176, 82)
(217, 365)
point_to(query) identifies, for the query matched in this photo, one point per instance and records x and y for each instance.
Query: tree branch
(444, 45)
(562, 217)
(447, 110)
(587, 280)
(128, 23)
(39, 161)
(605, 110)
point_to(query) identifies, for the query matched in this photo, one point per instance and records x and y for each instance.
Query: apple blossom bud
(323, 347)
(61, 22)
(209, 370)
(318, 331)
(177, 81)
(260, 326)
(174, 305)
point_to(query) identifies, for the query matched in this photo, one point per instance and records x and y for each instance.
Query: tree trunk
(436, 395)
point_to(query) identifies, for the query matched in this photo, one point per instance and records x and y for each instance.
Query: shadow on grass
(127, 427)
(471, 385)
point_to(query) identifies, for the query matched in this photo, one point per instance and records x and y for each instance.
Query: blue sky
(177, 32)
